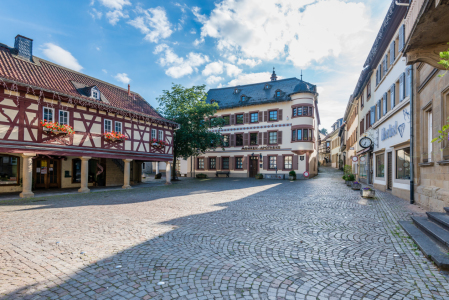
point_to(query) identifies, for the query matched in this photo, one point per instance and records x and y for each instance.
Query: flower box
(158, 143)
(57, 128)
(114, 136)
(368, 193)
(356, 185)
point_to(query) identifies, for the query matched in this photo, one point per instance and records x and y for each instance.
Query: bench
(222, 173)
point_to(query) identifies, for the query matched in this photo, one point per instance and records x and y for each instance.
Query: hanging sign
(362, 159)
(306, 174)
(355, 158)
(44, 170)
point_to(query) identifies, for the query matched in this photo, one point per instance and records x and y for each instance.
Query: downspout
(412, 184)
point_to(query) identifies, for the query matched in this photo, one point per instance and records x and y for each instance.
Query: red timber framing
(21, 110)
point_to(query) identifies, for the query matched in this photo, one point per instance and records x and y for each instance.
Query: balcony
(426, 31)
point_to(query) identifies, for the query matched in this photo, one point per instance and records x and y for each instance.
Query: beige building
(271, 128)
(335, 143)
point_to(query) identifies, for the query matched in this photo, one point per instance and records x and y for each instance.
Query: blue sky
(152, 44)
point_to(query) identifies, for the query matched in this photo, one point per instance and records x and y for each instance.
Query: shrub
(259, 176)
(292, 173)
(351, 177)
(201, 176)
(344, 178)
(158, 176)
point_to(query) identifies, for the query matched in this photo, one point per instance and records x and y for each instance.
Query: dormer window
(267, 86)
(243, 98)
(278, 94)
(212, 101)
(95, 93)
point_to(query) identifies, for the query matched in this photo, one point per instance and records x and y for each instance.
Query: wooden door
(390, 170)
(253, 166)
(47, 173)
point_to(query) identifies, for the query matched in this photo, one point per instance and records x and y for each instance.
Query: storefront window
(8, 169)
(380, 165)
(363, 165)
(403, 163)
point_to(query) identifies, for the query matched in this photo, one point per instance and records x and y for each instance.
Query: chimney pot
(129, 90)
(24, 47)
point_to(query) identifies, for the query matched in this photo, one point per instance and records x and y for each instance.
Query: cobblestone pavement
(221, 238)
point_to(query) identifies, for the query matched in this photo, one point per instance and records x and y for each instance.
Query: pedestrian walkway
(220, 238)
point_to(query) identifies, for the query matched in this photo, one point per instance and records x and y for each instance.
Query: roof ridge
(230, 87)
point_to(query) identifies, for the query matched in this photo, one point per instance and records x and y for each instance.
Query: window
(372, 116)
(306, 134)
(225, 163)
(9, 169)
(212, 163)
(226, 141)
(48, 114)
(243, 98)
(239, 162)
(272, 162)
(239, 119)
(267, 86)
(153, 134)
(76, 170)
(227, 120)
(200, 163)
(403, 163)
(239, 139)
(368, 91)
(273, 115)
(253, 138)
(278, 93)
(254, 117)
(63, 117)
(380, 165)
(95, 94)
(161, 135)
(294, 112)
(273, 137)
(304, 111)
(143, 166)
(299, 111)
(288, 162)
(299, 137)
(362, 101)
(118, 126)
(429, 135)
(107, 125)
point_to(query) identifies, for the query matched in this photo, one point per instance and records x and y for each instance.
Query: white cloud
(105, 71)
(152, 22)
(115, 16)
(231, 58)
(96, 14)
(196, 42)
(179, 66)
(115, 4)
(199, 17)
(213, 79)
(249, 62)
(232, 70)
(251, 78)
(302, 31)
(61, 56)
(98, 48)
(213, 68)
(192, 31)
(122, 77)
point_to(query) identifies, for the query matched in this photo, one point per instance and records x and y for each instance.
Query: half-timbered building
(63, 129)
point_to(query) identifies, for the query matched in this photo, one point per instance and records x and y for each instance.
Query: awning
(363, 151)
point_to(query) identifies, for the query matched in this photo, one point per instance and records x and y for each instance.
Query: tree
(188, 108)
(323, 131)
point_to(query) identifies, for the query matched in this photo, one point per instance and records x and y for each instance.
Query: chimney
(24, 47)
(129, 90)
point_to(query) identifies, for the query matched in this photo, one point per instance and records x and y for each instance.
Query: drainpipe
(412, 136)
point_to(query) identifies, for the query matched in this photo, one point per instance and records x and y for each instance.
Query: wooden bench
(222, 173)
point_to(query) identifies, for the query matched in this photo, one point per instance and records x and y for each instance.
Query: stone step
(428, 246)
(432, 229)
(441, 219)
(446, 209)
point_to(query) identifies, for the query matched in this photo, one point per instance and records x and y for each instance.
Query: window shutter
(279, 137)
(295, 162)
(245, 139)
(265, 162)
(259, 138)
(408, 81)
(244, 162)
(232, 120)
(260, 116)
(246, 118)
(392, 58)
(385, 64)
(280, 115)
(401, 87)
(196, 163)
(206, 163)
(392, 96)
(231, 163)
(385, 108)
(279, 159)
(265, 116)
(265, 138)
(401, 38)
(218, 163)
(372, 116)
(232, 140)
(377, 76)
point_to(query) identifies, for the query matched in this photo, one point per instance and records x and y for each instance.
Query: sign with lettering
(261, 148)
(389, 132)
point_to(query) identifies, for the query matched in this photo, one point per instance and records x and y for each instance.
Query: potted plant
(201, 176)
(292, 175)
(158, 143)
(356, 185)
(158, 176)
(350, 178)
(259, 176)
(114, 136)
(368, 192)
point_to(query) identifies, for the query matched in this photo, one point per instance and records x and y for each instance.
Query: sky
(153, 44)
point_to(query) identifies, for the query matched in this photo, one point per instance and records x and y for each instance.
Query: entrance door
(390, 170)
(253, 165)
(46, 173)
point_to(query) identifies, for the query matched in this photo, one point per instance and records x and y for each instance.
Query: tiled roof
(258, 93)
(50, 76)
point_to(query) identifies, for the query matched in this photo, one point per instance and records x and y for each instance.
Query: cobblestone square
(223, 238)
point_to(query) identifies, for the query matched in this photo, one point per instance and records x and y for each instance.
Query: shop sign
(261, 148)
(44, 170)
(389, 132)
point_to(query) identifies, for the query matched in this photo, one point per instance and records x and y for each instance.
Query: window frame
(275, 162)
(18, 171)
(251, 119)
(396, 179)
(198, 163)
(277, 115)
(110, 125)
(269, 137)
(257, 138)
(243, 119)
(236, 159)
(228, 136)
(160, 135)
(68, 117)
(236, 134)
(291, 162)
(222, 162)
(210, 163)
(380, 158)
(228, 117)
(121, 126)
(52, 110)
(155, 133)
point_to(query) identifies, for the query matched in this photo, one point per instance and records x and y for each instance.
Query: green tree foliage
(444, 61)
(188, 108)
(323, 131)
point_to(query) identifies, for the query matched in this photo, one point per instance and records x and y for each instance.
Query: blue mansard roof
(259, 93)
